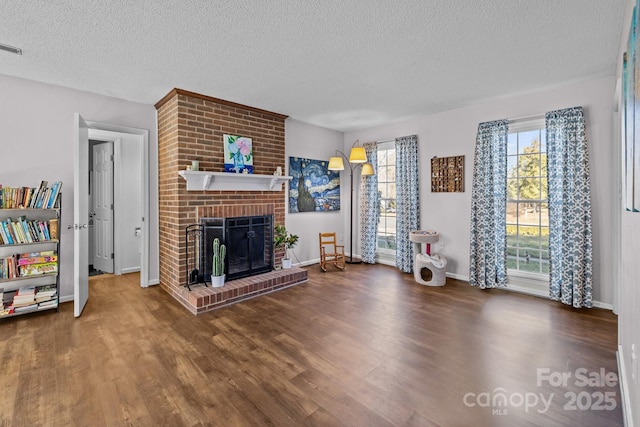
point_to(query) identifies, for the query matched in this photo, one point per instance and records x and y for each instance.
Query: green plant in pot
(284, 239)
(217, 267)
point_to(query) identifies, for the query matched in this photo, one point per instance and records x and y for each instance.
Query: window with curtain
(386, 174)
(533, 170)
(527, 215)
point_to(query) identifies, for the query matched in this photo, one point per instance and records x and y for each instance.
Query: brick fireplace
(191, 127)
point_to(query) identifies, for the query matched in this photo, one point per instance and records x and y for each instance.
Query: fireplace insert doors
(249, 245)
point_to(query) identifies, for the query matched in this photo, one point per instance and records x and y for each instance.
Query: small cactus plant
(219, 252)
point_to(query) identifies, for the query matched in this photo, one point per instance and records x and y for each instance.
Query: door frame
(100, 131)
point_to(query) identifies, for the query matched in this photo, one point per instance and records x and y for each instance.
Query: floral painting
(238, 154)
(314, 188)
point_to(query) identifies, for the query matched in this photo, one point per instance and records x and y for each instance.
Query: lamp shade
(367, 170)
(358, 155)
(335, 164)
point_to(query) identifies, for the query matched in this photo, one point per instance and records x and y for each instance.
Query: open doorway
(101, 207)
(117, 201)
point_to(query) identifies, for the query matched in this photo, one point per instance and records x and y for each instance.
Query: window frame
(517, 126)
(385, 252)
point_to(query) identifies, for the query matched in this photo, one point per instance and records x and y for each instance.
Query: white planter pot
(217, 281)
(286, 263)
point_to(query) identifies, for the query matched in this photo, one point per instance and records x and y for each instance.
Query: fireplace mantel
(225, 181)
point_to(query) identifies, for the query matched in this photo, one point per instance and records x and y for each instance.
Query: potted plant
(217, 267)
(286, 240)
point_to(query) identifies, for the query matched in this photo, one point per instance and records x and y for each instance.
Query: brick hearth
(191, 127)
(202, 299)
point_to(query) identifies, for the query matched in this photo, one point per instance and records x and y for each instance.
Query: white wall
(36, 137)
(629, 298)
(313, 142)
(453, 133)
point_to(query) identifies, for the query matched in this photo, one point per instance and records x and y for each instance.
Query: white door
(103, 206)
(80, 216)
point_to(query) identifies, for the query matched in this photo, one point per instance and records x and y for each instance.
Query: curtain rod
(527, 118)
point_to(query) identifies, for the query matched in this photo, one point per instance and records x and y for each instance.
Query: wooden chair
(330, 251)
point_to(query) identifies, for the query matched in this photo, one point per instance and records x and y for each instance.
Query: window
(386, 171)
(527, 202)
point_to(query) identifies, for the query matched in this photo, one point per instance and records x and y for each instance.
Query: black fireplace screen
(249, 245)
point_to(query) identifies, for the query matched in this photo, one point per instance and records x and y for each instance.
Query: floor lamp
(357, 158)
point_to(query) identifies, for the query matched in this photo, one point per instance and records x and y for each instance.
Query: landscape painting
(314, 188)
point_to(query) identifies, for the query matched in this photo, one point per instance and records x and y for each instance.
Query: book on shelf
(17, 237)
(37, 259)
(47, 304)
(42, 186)
(55, 190)
(26, 308)
(25, 296)
(8, 233)
(18, 304)
(38, 269)
(34, 234)
(45, 230)
(44, 298)
(24, 229)
(26, 290)
(53, 228)
(8, 267)
(45, 293)
(36, 254)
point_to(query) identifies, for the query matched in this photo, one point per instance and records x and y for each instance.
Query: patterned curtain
(407, 199)
(488, 259)
(369, 207)
(570, 247)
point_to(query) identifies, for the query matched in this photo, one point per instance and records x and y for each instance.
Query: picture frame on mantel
(238, 154)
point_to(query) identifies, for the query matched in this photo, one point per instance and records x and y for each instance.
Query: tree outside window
(527, 203)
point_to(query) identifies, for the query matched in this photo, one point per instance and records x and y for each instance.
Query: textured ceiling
(344, 64)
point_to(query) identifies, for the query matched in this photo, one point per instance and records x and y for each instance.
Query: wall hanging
(447, 174)
(314, 188)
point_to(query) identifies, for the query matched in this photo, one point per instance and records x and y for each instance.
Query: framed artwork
(314, 188)
(447, 174)
(238, 154)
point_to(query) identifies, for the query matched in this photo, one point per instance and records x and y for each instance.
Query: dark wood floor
(367, 347)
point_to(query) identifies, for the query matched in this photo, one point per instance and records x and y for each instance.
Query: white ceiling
(340, 64)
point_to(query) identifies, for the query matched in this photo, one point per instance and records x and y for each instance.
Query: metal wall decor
(447, 174)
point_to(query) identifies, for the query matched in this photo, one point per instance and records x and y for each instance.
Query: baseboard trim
(624, 389)
(541, 293)
(66, 298)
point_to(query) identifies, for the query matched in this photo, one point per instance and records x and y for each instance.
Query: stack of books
(24, 299)
(37, 263)
(46, 297)
(4, 307)
(40, 197)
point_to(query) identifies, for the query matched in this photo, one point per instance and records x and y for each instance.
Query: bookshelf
(29, 250)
